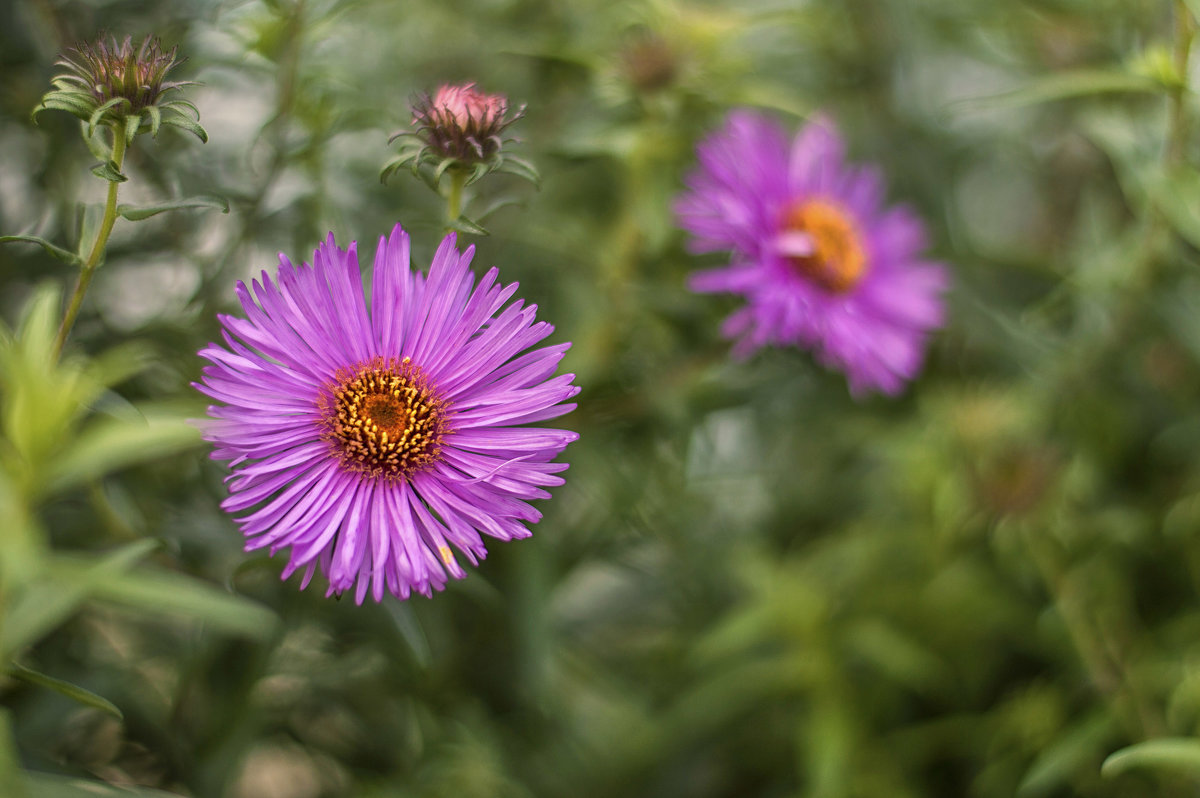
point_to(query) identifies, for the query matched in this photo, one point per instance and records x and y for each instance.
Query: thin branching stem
(97, 252)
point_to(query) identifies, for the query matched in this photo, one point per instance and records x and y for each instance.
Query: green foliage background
(751, 584)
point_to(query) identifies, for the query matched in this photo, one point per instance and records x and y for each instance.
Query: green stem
(1177, 124)
(458, 179)
(97, 252)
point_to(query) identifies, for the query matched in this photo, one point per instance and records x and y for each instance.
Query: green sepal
(133, 123)
(155, 119)
(72, 691)
(135, 213)
(61, 101)
(97, 116)
(189, 125)
(51, 249)
(109, 171)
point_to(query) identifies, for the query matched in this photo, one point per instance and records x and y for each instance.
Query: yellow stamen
(837, 261)
(384, 419)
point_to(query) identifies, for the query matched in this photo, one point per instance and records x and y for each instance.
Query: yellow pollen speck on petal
(837, 261)
(384, 419)
(447, 555)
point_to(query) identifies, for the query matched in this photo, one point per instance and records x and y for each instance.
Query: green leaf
(464, 225)
(108, 444)
(1075, 749)
(72, 691)
(108, 170)
(137, 213)
(154, 591)
(51, 249)
(1178, 197)
(54, 597)
(1065, 85)
(1169, 753)
(46, 785)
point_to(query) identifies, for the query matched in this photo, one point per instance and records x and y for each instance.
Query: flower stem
(458, 179)
(97, 251)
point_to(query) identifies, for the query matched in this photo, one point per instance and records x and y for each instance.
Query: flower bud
(111, 84)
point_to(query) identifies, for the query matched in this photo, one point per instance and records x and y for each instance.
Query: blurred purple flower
(821, 261)
(370, 442)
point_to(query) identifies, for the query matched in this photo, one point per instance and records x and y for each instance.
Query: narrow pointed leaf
(52, 599)
(170, 593)
(109, 444)
(135, 213)
(51, 249)
(72, 691)
(1066, 85)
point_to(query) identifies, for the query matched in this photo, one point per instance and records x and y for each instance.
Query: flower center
(821, 244)
(385, 419)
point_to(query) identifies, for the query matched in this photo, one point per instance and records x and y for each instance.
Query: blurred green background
(751, 584)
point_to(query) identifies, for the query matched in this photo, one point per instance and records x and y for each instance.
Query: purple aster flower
(373, 443)
(821, 261)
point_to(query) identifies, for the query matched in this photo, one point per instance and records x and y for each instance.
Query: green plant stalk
(1177, 123)
(458, 179)
(97, 252)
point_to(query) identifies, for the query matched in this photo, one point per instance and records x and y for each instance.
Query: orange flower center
(824, 246)
(385, 419)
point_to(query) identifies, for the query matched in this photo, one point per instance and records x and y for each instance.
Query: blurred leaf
(1167, 753)
(46, 785)
(57, 593)
(51, 249)
(1065, 85)
(72, 691)
(108, 444)
(829, 744)
(521, 168)
(109, 171)
(137, 213)
(1077, 747)
(153, 591)
(24, 544)
(11, 781)
(899, 656)
(1177, 195)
